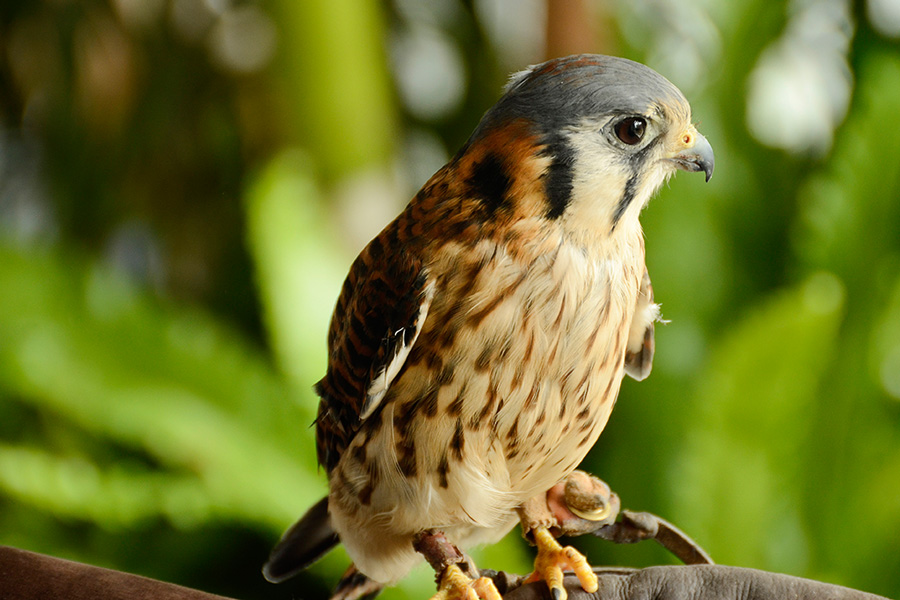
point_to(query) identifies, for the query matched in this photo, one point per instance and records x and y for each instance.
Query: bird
(479, 342)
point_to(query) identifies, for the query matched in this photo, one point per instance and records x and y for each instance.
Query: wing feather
(399, 343)
(377, 319)
(640, 347)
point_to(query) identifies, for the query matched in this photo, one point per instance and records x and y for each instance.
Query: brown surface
(29, 576)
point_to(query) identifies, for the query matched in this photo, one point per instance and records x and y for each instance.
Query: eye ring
(631, 130)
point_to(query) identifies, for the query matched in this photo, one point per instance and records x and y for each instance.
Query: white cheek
(601, 174)
(598, 184)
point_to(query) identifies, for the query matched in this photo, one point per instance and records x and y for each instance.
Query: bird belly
(507, 401)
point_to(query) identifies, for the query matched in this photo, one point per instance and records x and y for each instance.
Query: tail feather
(308, 540)
(356, 586)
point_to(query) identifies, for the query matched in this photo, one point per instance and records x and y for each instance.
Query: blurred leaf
(884, 358)
(848, 225)
(337, 82)
(849, 213)
(115, 498)
(736, 485)
(82, 344)
(298, 263)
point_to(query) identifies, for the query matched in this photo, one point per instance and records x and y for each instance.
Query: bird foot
(551, 559)
(456, 585)
(447, 560)
(579, 504)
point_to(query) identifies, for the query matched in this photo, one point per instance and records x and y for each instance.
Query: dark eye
(631, 130)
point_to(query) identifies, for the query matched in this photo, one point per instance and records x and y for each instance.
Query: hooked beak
(700, 157)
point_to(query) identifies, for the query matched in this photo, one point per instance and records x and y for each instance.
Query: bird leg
(456, 585)
(453, 569)
(568, 507)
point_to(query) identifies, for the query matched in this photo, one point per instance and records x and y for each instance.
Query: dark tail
(308, 540)
(355, 586)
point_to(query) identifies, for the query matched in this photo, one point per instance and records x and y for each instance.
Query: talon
(598, 514)
(550, 560)
(456, 585)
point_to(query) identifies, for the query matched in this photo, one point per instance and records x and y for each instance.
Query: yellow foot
(456, 585)
(552, 557)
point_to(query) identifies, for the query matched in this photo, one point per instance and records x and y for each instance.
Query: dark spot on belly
(404, 416)
(483, 361)
(359, 453)
(445, 375)
(429, 401)
(365, 494)
(517, 378)
(487, 411)
(513, 432)
(406, 458)
(343, 480)
(531, 399)
(455, 408)
(606, 392)
(529, 348)
(443, 469)
(458, 443)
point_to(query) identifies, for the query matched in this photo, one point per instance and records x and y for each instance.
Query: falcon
(479, 341)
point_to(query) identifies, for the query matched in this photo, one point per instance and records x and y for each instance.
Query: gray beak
(698, 158)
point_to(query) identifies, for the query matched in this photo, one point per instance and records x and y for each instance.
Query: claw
(598, 514)
(550, 560)
(456, 585)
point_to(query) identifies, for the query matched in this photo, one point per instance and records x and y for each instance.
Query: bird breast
(509, 384)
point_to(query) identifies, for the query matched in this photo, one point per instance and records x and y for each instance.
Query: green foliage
(335, 69)
(298, 264)
(734, 477)
(106, 369)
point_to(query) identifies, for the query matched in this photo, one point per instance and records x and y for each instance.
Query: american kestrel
(479, 341)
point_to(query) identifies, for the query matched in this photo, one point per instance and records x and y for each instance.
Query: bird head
(601, 135)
